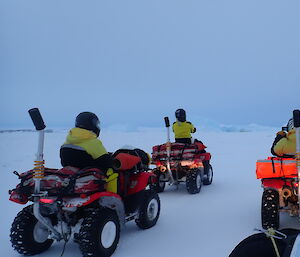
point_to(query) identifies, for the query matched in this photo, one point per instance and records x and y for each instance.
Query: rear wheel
(99, 233)
(208, 175)
(160, 183)
(149, 210)
(193, 181)
(270, 209)
(27, 235)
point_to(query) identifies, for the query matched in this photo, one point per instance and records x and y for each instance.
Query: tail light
(47, 200)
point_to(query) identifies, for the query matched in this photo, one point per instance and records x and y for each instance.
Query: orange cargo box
(275, 167)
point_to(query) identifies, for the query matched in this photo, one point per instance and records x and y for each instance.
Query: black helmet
(290, 124)
(180, 115)
(89, 121)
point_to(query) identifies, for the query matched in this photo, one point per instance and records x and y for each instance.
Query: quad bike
(181, 163)
(71, 202)
(280, 181)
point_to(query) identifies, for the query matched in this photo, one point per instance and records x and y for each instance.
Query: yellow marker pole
(168, 146)
(38, 171)
(296, 119)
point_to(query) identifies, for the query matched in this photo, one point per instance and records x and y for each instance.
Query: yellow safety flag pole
(38, 171)
(296, 119)
(168, 146)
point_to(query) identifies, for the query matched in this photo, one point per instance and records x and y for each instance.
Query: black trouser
(183, 140)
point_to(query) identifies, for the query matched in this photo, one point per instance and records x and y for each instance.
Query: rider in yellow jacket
(182, 128)
(82, 147)
(284, 144)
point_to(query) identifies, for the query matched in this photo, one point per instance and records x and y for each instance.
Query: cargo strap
(273, 165)
(67, 189)
(70, 187)
(185, 145)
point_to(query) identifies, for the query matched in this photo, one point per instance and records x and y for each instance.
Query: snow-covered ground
(208, 224)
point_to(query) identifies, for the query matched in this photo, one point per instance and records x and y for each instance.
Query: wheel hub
(209, 175)
(162, 180)
(40, 233)
(198, 181)
(152, 209)
(108, 234)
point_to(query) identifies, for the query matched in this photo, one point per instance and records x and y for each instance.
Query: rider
(82, 147)
(284, 144)
(182, 128)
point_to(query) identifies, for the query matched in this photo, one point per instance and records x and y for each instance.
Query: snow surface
(208, 224)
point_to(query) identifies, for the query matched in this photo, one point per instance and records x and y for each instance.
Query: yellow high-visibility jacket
(82, 149)
(87, 140)
(183, 129)
(286, 145)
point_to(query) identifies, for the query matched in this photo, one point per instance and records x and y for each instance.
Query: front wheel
(208, 175)
(99, 233)
(27, 235)
(149, 210)
(193, 181)
(270, 209)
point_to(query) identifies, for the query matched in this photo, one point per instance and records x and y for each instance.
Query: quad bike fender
(106, 199)
(18, 197)
(139, 182)
(116, 204)
(274, 183)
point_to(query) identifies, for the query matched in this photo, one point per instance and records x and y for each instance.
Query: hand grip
(296, 118)
(167, 122)
(37, 119)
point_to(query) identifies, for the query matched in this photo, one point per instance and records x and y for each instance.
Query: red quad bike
(181, 163)
(280, 181)
(71, 202)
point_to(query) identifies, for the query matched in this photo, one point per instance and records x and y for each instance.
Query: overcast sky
(136, 61)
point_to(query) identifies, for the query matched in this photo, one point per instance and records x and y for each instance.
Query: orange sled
(274, 167)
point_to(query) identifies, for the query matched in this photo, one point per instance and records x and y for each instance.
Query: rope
(271, 233)
(64, 248)
(275, 247)
(66, 239)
